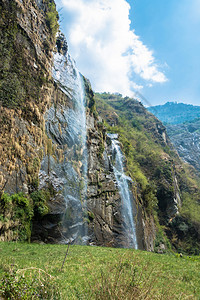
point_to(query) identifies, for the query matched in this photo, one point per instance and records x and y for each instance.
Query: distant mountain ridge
(183, 126)
(175, 113)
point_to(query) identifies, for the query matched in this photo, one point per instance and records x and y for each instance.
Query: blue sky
(152, 47)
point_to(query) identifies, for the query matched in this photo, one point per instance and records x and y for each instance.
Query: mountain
(186, 139)
(78, 167)
(175, 113)
(182, 123)
(167, 187)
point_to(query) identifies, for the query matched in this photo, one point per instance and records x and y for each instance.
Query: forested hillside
(167, 185)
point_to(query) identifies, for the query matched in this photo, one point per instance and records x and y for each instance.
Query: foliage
(152, 163)
(17, 212)
(161, 239)
(40, 199)
(149, 199)
(52, 18)
(29, 283)
(104, 273)
(190, 207)
(185, 235)
(20, 81)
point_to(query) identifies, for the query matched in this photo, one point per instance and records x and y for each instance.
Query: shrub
(29, 283)
(149, 198)
(39, 201)
(17, 210)
(52, 18)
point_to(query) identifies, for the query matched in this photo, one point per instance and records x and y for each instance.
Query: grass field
(101, 273)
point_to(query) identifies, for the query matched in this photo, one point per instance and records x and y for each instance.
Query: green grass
(107, 273)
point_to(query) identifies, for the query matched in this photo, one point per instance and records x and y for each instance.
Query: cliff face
(41, 150)
(27, 41)
(186, 140)
(85, 203)
(182, 123)
(107, 225)
(25, 84)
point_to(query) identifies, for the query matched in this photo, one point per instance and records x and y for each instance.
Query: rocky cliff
(42, 153)
(26, 60)
(182, 123)
(27, 41)
(186, 139)
(84, 207)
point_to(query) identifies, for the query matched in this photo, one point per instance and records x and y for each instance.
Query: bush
(149, 199)
(17, 212)
(52, 18)
(29, 283)
(39, 201)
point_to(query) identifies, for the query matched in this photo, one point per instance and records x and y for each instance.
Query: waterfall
(66, 126)
(125, 193)
(71, 83)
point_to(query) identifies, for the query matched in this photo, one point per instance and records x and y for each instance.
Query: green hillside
(155, 166)
(175, 113)
(32, 271)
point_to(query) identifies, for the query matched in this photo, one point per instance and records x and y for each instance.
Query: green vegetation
(40, 199)
(11, 88)
(52, 18)
(144, 156)
(28, 284)
(184, 128)
(154, 166)
(16, 212)
(96, 273)
(20, 81)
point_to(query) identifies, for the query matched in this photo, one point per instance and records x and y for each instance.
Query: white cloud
(104, 47)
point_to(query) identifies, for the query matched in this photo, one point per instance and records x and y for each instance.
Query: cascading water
(66, 127)
(70, 80)
(125, 193)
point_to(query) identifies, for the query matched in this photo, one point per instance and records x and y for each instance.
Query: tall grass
(100, 273)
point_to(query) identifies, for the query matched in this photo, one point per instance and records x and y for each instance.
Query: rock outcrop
(186, 140)
(26, 60)
(107, 226)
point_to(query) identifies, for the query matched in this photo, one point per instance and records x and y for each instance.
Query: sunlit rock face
(64, 167)
(85, 204)
(186, 140)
